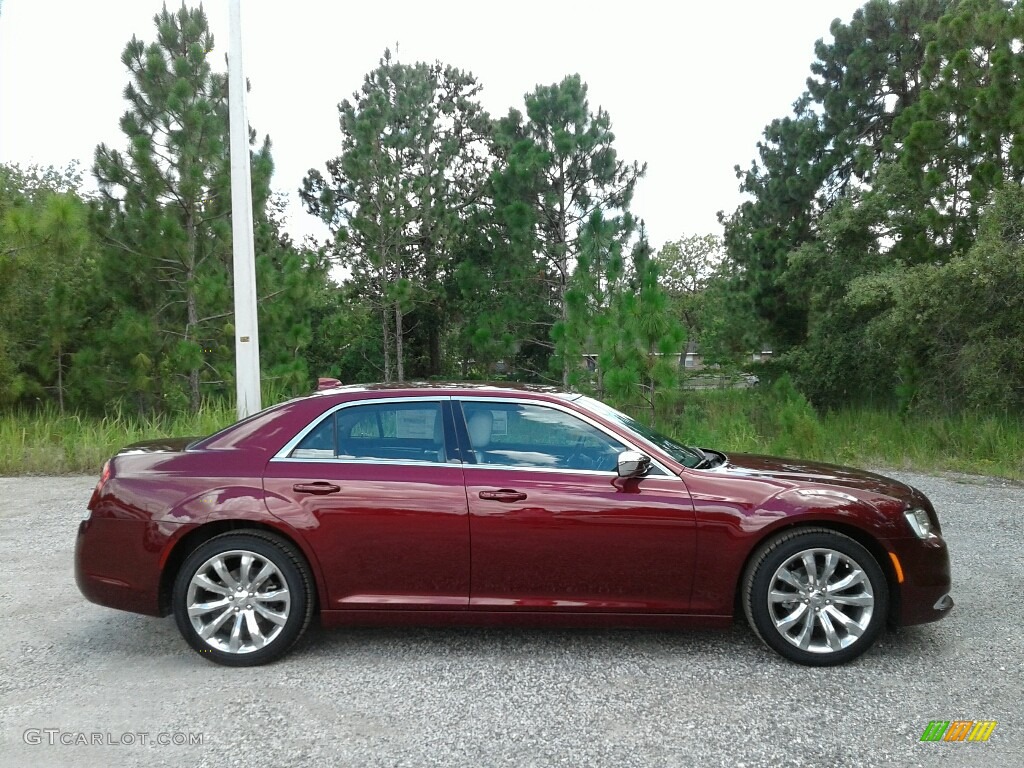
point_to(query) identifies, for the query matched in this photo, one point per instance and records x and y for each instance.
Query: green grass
(775, 420)
(47, 443)
(784, 424)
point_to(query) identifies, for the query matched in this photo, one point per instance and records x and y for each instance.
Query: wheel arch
(862, 537)
(198, 536)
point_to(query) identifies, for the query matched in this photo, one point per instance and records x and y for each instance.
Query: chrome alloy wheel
(238, 601)
(821, 600)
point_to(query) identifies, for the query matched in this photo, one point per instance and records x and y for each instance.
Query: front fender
(827, 505)
(730, 528)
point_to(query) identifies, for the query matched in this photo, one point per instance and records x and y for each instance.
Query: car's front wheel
(243, 599)
(815, 596)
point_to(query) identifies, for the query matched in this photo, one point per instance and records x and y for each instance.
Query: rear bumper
(924, 594)
(117, 564)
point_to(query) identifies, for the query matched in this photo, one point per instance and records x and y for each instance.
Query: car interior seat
(442, 456)
(479, 426)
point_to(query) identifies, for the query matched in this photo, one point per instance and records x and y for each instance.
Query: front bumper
(924, 594)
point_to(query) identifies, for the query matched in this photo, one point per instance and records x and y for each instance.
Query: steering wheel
(577, 458)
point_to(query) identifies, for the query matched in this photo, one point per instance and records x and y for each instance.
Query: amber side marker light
(897, 566)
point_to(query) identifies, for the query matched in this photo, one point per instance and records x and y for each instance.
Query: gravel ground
(412, 697)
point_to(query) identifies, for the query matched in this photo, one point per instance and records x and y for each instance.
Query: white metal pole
(247, 340)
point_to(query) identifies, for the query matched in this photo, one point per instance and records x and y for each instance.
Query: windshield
(684, 454)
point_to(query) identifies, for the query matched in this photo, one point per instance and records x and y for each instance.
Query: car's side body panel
(152, 499)
(526, 618)
(732, 518)
(393, 536)
(580, 542)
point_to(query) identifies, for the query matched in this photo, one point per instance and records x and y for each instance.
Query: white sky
(689, 85)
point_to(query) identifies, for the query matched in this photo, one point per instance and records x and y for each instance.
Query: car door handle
(504, 494)
(320, 488)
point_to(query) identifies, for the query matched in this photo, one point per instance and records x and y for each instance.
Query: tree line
(878, 250)
(124, 297)
(881, 247)
(469, 246)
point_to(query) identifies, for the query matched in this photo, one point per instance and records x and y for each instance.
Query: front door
(553, 526)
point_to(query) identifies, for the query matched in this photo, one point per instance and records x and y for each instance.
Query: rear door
(380, 494)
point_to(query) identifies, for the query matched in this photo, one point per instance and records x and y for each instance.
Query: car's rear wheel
(243, 599)
(815, 596)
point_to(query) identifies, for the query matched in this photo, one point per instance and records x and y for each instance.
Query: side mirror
(633, 464)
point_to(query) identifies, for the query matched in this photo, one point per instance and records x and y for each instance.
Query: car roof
(452, 388)
(304, 406)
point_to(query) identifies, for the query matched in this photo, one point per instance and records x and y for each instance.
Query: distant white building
(695, 362)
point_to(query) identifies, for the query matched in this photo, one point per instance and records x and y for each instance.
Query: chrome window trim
(452, 463)
(553, 470)
(582, 417)
(388, 462)
(284, 455)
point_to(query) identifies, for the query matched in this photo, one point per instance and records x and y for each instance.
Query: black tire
(278, 607)
(830, 639)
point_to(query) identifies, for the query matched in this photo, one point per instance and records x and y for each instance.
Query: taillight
(104, 476)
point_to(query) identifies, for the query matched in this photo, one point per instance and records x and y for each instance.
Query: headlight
(919, 522)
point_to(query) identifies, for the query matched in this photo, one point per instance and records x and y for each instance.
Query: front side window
(412, 431)
(684, 454)
(523, 435)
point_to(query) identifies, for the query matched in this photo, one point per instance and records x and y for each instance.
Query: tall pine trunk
(60, 377)
(399, 351)
(563, 267)
(434, 342)
(193, 313)
(387, 343)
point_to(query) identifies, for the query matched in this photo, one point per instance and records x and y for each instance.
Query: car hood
(811, 473)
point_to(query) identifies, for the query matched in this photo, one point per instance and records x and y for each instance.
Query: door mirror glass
(633, 464)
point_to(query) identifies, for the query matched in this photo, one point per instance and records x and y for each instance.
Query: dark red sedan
(474, 504)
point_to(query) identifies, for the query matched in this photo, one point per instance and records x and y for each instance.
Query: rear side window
(321, 443)
(412, 431)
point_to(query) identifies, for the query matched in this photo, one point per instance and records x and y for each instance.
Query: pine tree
(166, 208)
(643, 340)
(165, 303)
(590, 297)
(560, 167)
(413, 161)
(46, 256)
(836, 141)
